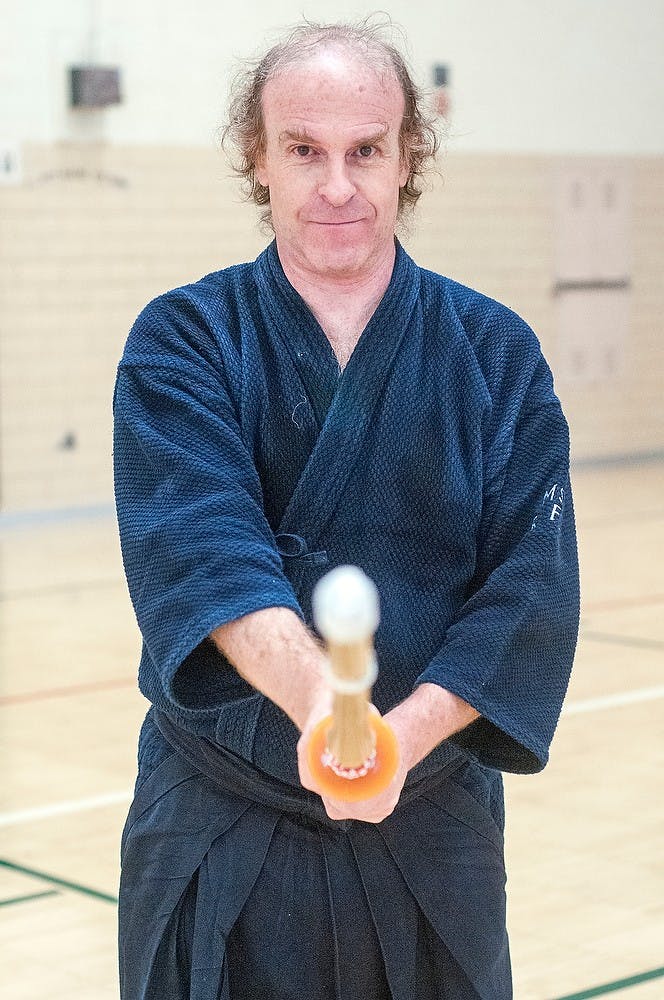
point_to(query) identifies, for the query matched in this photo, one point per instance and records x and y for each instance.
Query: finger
(307, 780)
(337, 810)
(361, 811)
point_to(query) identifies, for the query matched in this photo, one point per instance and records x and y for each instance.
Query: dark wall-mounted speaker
(94, 86)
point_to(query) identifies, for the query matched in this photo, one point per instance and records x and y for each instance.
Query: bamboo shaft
(350, 740)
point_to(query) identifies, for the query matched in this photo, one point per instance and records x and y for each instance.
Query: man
(333, 403)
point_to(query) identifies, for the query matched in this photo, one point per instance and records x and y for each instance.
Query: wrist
(309, 697)
(430, 715)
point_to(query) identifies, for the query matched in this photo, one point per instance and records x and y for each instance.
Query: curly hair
(418, 137)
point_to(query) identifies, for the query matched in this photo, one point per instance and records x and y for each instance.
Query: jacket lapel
(343, 404)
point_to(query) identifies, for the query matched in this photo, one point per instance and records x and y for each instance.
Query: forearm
(275, 652)
(427, 717)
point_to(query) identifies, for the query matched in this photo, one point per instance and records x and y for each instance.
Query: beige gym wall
(109, 207)
(94, 232)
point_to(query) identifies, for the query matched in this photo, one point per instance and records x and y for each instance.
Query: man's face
(332, 164)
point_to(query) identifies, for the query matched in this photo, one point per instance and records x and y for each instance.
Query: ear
(260, 170)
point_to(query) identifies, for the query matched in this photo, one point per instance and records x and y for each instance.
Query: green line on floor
(27, 899)
(618, 984)
(64, 883)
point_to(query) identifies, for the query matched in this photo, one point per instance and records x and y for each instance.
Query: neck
(342, 303)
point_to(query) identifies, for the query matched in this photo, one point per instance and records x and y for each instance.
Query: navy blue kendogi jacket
(248, 465)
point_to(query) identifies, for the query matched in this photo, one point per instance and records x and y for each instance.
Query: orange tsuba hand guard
(372, 778)
(352, 754)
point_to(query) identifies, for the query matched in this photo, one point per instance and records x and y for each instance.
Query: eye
(303, 150)
(365, 152)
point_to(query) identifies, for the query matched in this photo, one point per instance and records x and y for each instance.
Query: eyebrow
(300, 135)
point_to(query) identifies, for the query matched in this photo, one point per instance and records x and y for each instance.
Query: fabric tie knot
(290, 546)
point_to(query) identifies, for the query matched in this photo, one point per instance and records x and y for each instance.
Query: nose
(336, 186)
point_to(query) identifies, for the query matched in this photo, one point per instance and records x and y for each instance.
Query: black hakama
(238, 887)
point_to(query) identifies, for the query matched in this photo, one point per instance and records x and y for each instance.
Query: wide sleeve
(510, 648)
(197, 548)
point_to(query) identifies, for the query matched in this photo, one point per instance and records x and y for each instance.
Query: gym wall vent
(94, 86)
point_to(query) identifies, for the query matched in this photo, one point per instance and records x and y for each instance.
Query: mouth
(348, 222)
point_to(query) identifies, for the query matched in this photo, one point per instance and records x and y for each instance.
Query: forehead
(332, 87)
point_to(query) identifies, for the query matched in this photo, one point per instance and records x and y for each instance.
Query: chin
(339, 258)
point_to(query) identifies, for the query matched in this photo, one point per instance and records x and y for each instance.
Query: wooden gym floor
(584, 839)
